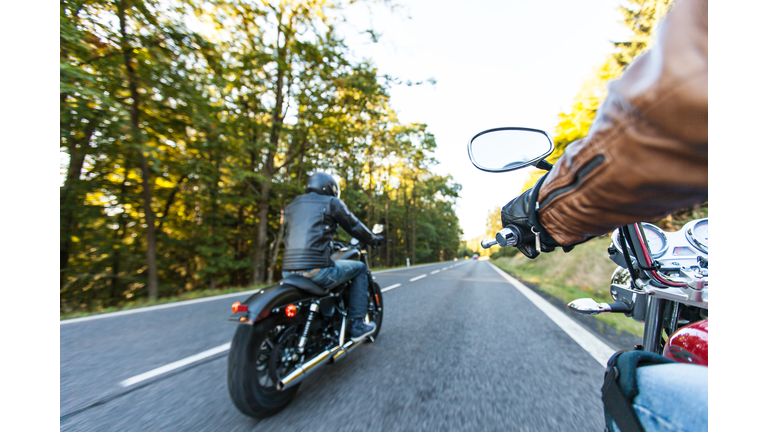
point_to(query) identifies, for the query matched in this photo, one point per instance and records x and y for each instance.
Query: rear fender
(270, 300)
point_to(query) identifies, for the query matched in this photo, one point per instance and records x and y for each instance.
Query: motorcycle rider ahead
(311, 220)
(645, 156)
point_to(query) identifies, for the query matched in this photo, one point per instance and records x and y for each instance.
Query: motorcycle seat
(304, 284)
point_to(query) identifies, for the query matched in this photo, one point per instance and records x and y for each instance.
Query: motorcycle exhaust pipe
(303, 371)
(344, 350)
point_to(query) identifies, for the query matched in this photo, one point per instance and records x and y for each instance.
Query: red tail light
(237, 307)
(290, 311)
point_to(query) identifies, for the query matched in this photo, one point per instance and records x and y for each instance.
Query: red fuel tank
(689, 344)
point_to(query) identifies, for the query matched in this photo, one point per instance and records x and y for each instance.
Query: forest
(187, 127)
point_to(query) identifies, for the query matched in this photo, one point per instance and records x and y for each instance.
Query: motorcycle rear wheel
(251, 376)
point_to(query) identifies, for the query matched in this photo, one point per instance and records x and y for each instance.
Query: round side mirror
(509, 148)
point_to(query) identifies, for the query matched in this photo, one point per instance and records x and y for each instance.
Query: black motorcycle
(287, 331)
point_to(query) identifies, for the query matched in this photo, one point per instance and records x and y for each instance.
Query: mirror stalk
(544, 165)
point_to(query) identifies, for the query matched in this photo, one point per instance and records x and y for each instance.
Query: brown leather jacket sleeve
(646, 152)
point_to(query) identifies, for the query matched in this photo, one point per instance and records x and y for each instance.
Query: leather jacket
(311, 221)
(646, 152)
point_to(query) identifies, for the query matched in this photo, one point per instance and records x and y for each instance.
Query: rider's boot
(361, 329)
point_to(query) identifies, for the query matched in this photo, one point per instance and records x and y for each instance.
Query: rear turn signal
(290, 311)
(237, 307)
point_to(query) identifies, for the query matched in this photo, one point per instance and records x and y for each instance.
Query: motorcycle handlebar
(506, 237)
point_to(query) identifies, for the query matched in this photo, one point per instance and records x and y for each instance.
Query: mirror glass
(378, 228)
(507, 149)
(354, 241)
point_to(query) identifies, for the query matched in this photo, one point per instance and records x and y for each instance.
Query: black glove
(377, 240)
(521, 212)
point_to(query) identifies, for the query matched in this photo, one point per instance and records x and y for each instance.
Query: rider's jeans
(673, 397)
(344, 270)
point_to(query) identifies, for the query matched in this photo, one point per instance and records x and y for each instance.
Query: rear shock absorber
(303, 339)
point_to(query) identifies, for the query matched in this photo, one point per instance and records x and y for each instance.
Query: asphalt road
(460, 349)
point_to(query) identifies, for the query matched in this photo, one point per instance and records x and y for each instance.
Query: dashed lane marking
(175, 365)
(391, 287)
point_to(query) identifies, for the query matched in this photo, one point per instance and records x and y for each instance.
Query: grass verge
(584, 272)
(139, 303)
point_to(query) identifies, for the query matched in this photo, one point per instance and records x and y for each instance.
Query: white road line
(186, 302)
(444, 268)
(175, 365)
(436, 271)
(419, 277)
(402, 268)
(152, 308)
(391, 287)
(594, 346)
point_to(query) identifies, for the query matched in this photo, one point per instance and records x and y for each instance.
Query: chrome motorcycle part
(653, 328)
(537, 241)
(508, 148)
(301, 372)
(313, 307)
(507, 237)
(698, 235)
(588, 306)
(488, 243)
(346, 349)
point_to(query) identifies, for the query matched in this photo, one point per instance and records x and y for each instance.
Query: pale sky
(497, 63)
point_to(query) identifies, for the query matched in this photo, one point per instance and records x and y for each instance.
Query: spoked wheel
(258, 357)
(375, 308)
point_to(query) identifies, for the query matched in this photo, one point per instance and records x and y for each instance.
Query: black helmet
(324, 184)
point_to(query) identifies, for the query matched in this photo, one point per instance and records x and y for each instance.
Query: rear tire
(251, 380)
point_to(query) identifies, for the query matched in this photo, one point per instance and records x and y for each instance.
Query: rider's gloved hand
(377, 240)
(521, 212)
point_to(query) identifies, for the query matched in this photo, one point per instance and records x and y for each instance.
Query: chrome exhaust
(302, 371)
(297, 375)
(344, 350)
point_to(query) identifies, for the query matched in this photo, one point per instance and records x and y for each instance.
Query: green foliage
(191, 143)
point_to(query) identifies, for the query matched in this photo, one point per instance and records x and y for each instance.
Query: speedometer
(657, 240)
(698, 235)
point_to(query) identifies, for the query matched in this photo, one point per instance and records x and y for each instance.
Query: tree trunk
(278, 241)
(120, 233)
(146, 175)
(68, 195)
(269, 166)
(387, 232)
(261, 232)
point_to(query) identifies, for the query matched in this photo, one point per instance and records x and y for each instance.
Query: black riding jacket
(311, 221)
